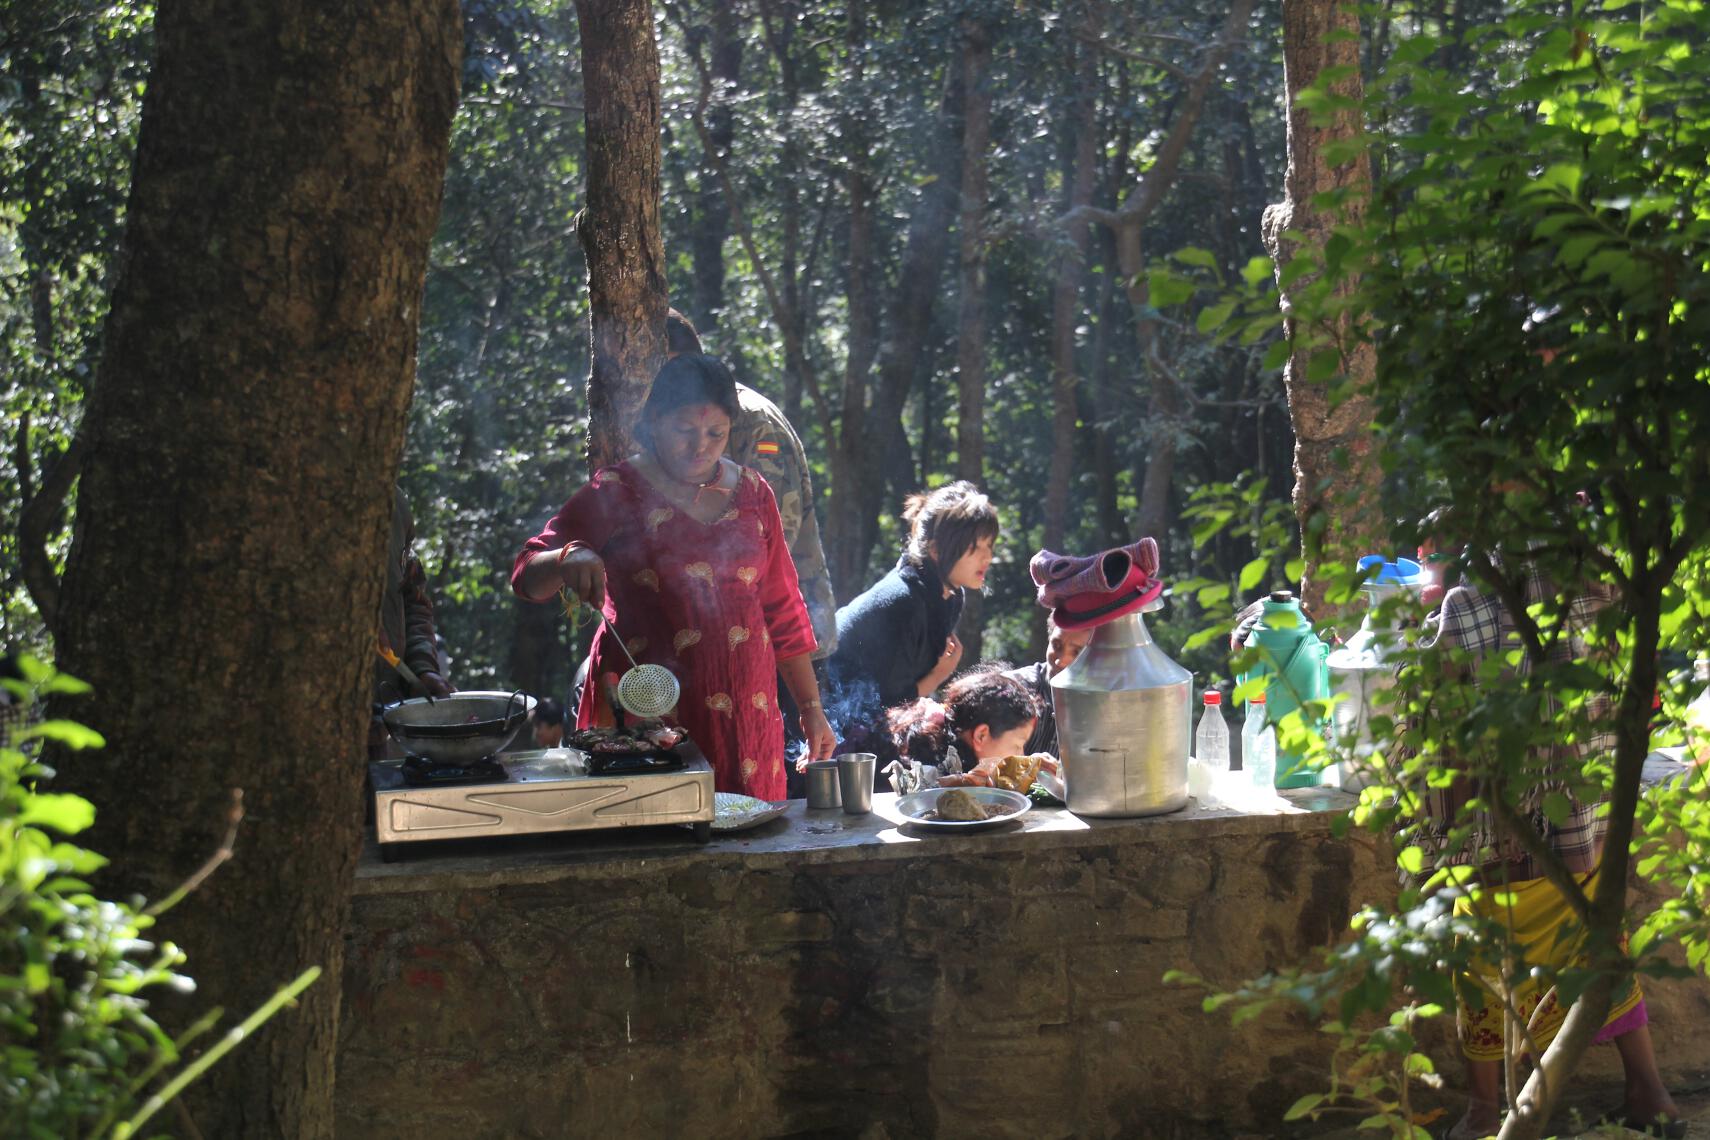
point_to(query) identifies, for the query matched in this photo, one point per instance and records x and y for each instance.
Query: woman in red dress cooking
(684, 552)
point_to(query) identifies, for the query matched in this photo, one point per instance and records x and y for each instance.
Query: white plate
(917, 804)
(735, 812)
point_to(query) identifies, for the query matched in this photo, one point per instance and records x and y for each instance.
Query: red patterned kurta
(717, 604)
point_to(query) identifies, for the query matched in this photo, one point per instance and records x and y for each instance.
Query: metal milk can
(1124, 724)
(1364, 665)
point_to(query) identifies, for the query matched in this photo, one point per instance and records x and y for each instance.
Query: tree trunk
(240, 447)
(779, 19)
(854, 449)
(1128, 224)
(1066, 302)
(619, 228)
(1335, 462)
(852, 527)
(1112, 526)
(971, 315)
(713, 221)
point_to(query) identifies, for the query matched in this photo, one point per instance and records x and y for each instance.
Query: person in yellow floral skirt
(1542, 928)
(685, 553)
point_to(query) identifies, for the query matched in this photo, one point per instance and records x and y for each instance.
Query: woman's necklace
(713, 484)
(710, 485)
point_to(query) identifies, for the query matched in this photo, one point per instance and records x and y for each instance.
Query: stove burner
(631, 763)
(420, 772)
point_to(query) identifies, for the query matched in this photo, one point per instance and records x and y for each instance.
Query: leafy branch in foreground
(1534, 270)
(80, 1054)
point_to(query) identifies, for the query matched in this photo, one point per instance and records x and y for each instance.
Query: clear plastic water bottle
(1259, 746)
(1211, 739)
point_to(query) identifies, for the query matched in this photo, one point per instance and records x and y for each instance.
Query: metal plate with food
(735, 812)
(962, 809)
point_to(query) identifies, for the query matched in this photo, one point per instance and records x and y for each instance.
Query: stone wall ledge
(815, 836)
(826, 975)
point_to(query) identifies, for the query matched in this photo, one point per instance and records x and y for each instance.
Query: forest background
(869, 209)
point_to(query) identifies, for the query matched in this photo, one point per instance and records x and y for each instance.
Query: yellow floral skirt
(1545, 930)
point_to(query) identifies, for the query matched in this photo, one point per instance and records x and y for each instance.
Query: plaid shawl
(1476, 621)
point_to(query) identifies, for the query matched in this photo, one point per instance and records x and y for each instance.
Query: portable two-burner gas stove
(530, 793)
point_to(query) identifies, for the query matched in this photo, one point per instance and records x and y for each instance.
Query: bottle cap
(1213, 697)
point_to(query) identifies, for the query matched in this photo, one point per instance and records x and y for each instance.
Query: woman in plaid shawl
(1541, 924)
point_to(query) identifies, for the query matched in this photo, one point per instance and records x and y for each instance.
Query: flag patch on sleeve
(766, 447)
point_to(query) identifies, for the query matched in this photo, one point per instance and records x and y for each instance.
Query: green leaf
(1167, 288)
(1251, 687)
(61, 811)
(1212, 317)
(1254, 572)
(1203, 637)
(1303, 1106)
(1193, 255)
(64, 683)
(1258, 270)
(1575, 250)
(1559, 178)
(67, 732)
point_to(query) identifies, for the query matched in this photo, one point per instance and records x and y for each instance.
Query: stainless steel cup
(822, 790)
(855, 777)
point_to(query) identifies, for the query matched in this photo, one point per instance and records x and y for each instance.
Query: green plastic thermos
(1299, 666)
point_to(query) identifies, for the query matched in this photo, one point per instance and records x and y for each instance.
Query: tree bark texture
(853, 450)
(852, 525)
(725, 60)
(1335, 461)
(240, 445)
(619, 227)
(1066, 301)
(971, 314)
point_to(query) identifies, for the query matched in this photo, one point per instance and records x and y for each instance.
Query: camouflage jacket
(406, 610)
(763, 439)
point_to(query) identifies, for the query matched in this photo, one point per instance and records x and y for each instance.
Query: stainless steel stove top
(545, 791)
